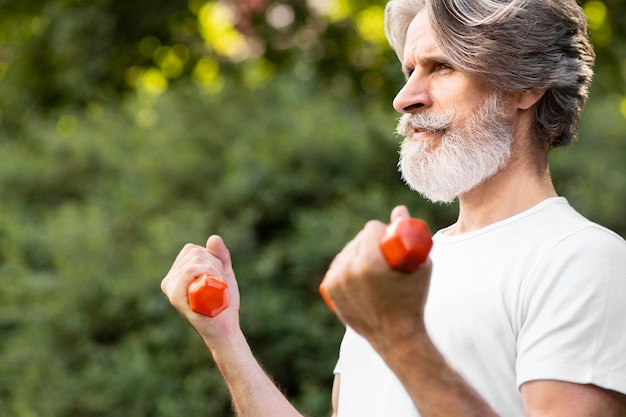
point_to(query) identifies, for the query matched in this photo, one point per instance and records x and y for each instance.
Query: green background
(129, 128)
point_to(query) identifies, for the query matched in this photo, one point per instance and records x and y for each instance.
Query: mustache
(409, 123)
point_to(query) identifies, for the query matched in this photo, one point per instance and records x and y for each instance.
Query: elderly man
(520, 309)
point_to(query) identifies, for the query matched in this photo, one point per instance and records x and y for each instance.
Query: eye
(441, 66)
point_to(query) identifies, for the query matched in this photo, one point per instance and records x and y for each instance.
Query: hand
(191, 262)
(375, 300)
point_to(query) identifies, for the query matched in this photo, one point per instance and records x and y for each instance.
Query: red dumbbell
(405, 244)
(208, 295)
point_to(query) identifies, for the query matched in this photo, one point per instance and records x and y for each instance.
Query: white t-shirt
(541, 295)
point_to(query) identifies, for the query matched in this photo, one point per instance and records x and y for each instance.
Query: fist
(405, 244)
(379, 282)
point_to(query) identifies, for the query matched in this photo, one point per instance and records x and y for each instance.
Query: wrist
(398, 336)
(228, 340)
(411, 343)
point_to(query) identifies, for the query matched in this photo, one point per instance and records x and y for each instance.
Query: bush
(96, 207)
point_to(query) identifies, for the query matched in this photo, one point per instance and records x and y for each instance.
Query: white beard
(464, 158)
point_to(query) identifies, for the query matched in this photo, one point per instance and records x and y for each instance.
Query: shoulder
(576, 265)
(588, 257)
(568, 233)
(590, 244)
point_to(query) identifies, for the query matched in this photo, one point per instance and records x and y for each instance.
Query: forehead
(420, 39)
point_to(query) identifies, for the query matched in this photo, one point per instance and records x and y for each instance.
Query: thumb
(216, 246)
(400, 211)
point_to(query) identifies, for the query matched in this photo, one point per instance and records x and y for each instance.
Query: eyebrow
(429, 60)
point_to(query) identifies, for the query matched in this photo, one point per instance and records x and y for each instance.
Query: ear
(528, 97)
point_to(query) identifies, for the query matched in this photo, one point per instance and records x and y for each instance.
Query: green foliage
(591, 172)
(93, 216)
(55, 53)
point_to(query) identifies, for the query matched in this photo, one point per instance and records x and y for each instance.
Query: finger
(356, 258)
(400, 211)
(342, 259)
(184, 252)
(192, 261)
(181, 259)
(201, 257)
(368, 250)
(335, 271)
(216, 246)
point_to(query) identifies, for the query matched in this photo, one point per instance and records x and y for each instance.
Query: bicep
(545, 398)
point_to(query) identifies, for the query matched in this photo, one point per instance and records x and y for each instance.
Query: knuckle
(188, 247)
(196, 259)
(357, 269)
(373, 224)
(190, 270)
(197, 251)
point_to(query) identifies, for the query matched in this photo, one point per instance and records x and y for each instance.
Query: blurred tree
(94, 213)
(73, 52)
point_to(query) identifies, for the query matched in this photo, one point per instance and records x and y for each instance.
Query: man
(520, 309)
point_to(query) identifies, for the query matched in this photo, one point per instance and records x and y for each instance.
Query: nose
(412, 97)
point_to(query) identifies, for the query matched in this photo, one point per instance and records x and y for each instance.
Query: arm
(335, 398)
(393, 324)
(557, 398)
(438, 391)
(253, 393)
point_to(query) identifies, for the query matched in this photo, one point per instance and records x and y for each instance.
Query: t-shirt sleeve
(337, 369)
(573, 309)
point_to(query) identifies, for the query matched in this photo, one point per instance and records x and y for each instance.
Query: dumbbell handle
(405, 244)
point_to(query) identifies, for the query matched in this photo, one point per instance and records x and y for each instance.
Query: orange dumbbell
(405, 244)
(208, 295)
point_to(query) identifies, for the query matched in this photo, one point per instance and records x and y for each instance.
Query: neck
(523, 183)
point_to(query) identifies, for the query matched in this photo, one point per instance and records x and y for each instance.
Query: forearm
(435, 388)
(253, 393)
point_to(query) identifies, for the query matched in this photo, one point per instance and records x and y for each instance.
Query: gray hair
(516, 44)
